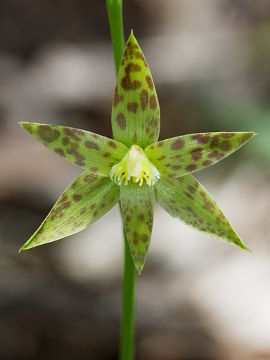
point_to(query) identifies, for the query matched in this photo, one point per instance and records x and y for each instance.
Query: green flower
(134, 168)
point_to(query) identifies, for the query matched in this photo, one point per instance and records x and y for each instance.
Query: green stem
(128, 302)
(114, 9)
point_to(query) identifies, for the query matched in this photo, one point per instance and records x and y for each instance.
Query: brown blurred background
(198, 298)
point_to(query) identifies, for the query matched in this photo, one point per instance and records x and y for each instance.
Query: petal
(182, 155)
(135, 110)
(137, 209)
(87, 199)
(95, 152)
(187, 199)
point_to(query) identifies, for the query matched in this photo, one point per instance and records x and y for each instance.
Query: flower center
(135, 166)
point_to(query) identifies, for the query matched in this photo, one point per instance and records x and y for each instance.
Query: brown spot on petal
(131, 67)
(178, 144)
(58, 211)
(162, 157)
(149, 82)
(126, 82)
(191, 167)
(227, 135)
(112, 144)
(78, 132)
(73, 150)
(201, 138)
(79, 160)
(132, 107)
(63, 198)
(189, 195)
(91, 145)
(74, 184)
(76, 197)
(65, 141)
(71, 133)
(135, 238)
(121, 120)
(215, 154)
(214, 142)
(59, 151)
(144, 238)
(107, 154)
(139, 55)
(117, 98)
(47, 133)
(196, 154)
(90, 178)
(153, 102)
(225, 145)
(191, 189)
(144, 99)
(141, 217)
(207, 163)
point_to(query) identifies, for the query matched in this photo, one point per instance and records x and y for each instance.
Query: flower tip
(251, 134)
(139, 267)
(25, 246)
(25, 125)
(247, 249)
(21, 249)
(132, 37)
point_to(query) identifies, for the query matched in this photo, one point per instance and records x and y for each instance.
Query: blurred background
(198, 298)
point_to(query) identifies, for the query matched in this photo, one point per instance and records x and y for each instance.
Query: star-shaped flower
(134, 168)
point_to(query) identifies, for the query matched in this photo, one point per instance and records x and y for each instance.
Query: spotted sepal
(186, 199)
(87, 199)
(94, 152)
(135, 110)
(137, 209)
(182, 155)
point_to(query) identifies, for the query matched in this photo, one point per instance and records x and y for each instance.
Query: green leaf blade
(186, 154)
(135, 110)
(186, 199)
(137, 209)
(83, 148)
(87, 199)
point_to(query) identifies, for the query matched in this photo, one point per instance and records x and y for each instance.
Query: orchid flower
(135, 168)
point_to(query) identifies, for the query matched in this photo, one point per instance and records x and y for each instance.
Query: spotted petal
(182, 155)
(87, 199)
(135, 111)
(91, 151)
(137, 208)
(188, 200)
